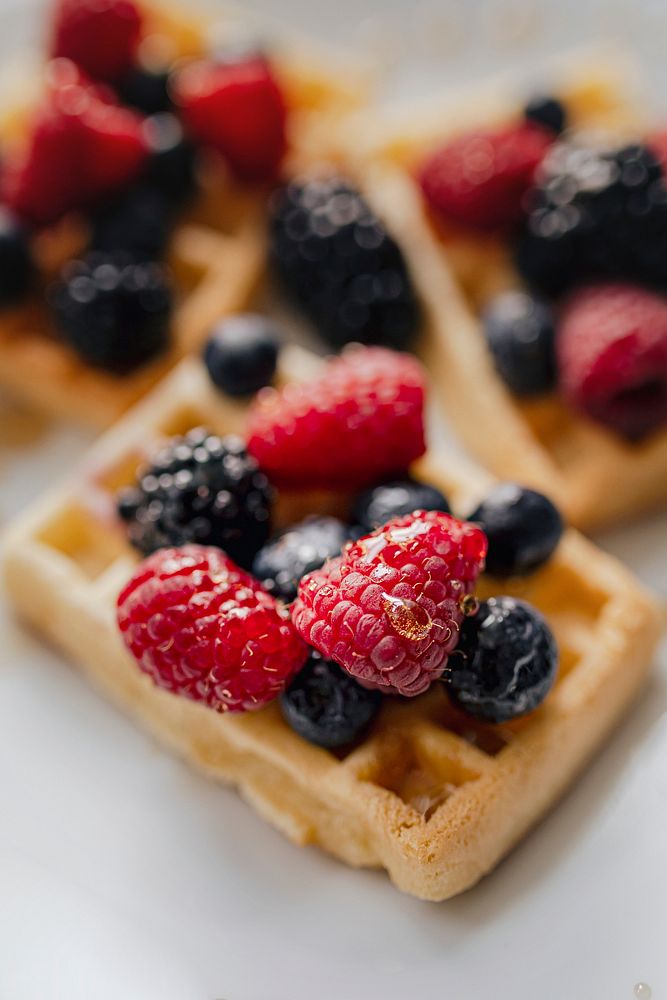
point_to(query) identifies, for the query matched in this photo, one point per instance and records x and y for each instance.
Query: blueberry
(242, 353)
(523, 529)
(172, 164)
(327, 706)
(375, 506)
(546, 111)
(146, 89)
(521, 337)
(505, 663)
(16, 266)
(298, 550)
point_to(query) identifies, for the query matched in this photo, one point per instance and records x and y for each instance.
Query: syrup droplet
(469, 605)
(643, 991)
(407, 617)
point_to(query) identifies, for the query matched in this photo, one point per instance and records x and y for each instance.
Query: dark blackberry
(327, 706)
(520, 334)
(138, 223)
(16, 266)
(523, 529)
(113, 311)
(200, 488)
(172, 164)
(298, 550)
(375, 506)
(546, 111)
(595, 213)
(241, 354)
(341, 266)
(505, 663)
(146, 89)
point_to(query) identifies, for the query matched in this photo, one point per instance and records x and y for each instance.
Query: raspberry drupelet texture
(360, 421)
(101, 36)
(390, 608)
(202, 628)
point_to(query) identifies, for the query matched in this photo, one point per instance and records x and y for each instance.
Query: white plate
(124, 876)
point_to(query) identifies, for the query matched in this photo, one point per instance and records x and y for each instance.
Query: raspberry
(390, 608)
(202, 628)
(357, 423)
(480, 178)
(238, 109)
(612, 353)
(100, 36)
(82, 146)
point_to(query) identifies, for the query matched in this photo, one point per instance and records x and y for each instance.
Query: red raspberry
(204, 629)
(479, 179)
(82, 147)
(657, 143)
(612, 355)
(390, 608)
(100, 36)
(237, 109)
(361, 420)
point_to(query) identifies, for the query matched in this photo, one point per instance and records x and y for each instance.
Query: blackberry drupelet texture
(506, 661)
(374, 507)
(327, 706)
(339, 263)
(200, 488)
(298, 550)
(113, 311)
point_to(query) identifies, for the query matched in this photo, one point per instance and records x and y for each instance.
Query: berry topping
(202, 628)
(145, 89)
(298, 550)
(520, 333)
(113, 311)
(327, 706)
(137, 223)
(595, 213)
(81, 147)
(340, 264)
(390, 608)
(479, 179)
(172, 165)
(612, 353)
(360, 421)
(377, 505)
(506, 661)
(522, 527)
(200, 488)
(100, 36)
(238, 109)
(16, 265)
(546, 111)
(242, 353)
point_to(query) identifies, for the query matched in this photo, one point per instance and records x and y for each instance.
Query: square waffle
(595, 476)
(217, 252)
(431, 796)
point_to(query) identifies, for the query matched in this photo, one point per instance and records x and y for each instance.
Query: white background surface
(124, 876)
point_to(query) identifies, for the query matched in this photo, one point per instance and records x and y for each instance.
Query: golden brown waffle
(217, 252)
(593, 474)
(431, 796)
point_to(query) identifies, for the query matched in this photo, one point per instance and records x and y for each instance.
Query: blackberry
(546, 111)
(172, 164)
(520, 333)
(298, 550)
(506, 661)
(139, 223)
(595, 213)
(113, 311)
(200, 488)
(338, 262)
(16, 266)
(375, 506)
(523, 529)
(146, 89)
(241, 354)
(327, 706)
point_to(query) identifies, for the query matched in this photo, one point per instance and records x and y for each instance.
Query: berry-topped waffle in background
(132, 191)
(535, 228)
(279, 590)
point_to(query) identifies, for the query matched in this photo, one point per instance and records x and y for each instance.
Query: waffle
(595, 476)
(431, 796)
(217, 253)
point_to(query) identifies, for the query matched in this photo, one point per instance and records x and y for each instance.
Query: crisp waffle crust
(431, 796)
(596, 477)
